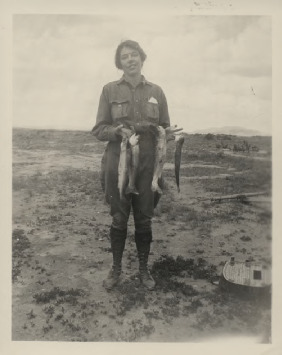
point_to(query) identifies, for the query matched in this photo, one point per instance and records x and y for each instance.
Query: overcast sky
(214, 70)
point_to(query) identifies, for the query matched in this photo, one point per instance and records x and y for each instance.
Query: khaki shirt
(136, 108)
(120, 103)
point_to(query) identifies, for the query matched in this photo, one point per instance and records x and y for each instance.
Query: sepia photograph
(142, 177)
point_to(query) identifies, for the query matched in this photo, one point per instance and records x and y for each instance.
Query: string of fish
(129, 161)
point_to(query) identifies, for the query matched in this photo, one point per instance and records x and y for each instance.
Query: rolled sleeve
(164, 115)
(103, 129)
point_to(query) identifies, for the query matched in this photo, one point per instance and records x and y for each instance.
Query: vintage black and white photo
(142, 178)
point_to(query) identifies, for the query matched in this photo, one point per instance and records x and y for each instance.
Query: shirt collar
(143, 80)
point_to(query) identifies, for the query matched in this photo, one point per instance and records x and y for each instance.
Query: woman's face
(131, 62)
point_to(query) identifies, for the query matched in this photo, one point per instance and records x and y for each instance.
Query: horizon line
(191, 132)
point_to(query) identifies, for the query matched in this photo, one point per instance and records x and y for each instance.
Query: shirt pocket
(119, 109)
(152, 111)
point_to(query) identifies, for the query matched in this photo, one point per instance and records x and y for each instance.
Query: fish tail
(156, 188)
(159, 190)
(131, 190)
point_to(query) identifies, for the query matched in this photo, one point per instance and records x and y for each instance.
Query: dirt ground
(61, 248)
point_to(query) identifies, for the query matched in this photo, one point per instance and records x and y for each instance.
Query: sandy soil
(61, 254)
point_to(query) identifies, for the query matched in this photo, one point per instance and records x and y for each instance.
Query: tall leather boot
(143, 244)
(118, 238)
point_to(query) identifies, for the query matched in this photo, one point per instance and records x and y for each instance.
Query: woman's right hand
(123, 132)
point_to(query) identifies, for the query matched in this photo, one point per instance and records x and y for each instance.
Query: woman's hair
(130, 44)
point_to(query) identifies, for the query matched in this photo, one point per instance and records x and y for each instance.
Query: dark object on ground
(240, 197)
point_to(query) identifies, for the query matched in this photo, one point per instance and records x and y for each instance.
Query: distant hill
(231, 130)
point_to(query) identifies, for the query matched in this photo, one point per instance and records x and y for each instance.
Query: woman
(130, 105)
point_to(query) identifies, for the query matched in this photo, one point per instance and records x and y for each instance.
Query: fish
(177, 158)
(133, 164)
(160, 155)
(124, 161)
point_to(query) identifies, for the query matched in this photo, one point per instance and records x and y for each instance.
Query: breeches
(142, 204)
(121, 211)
